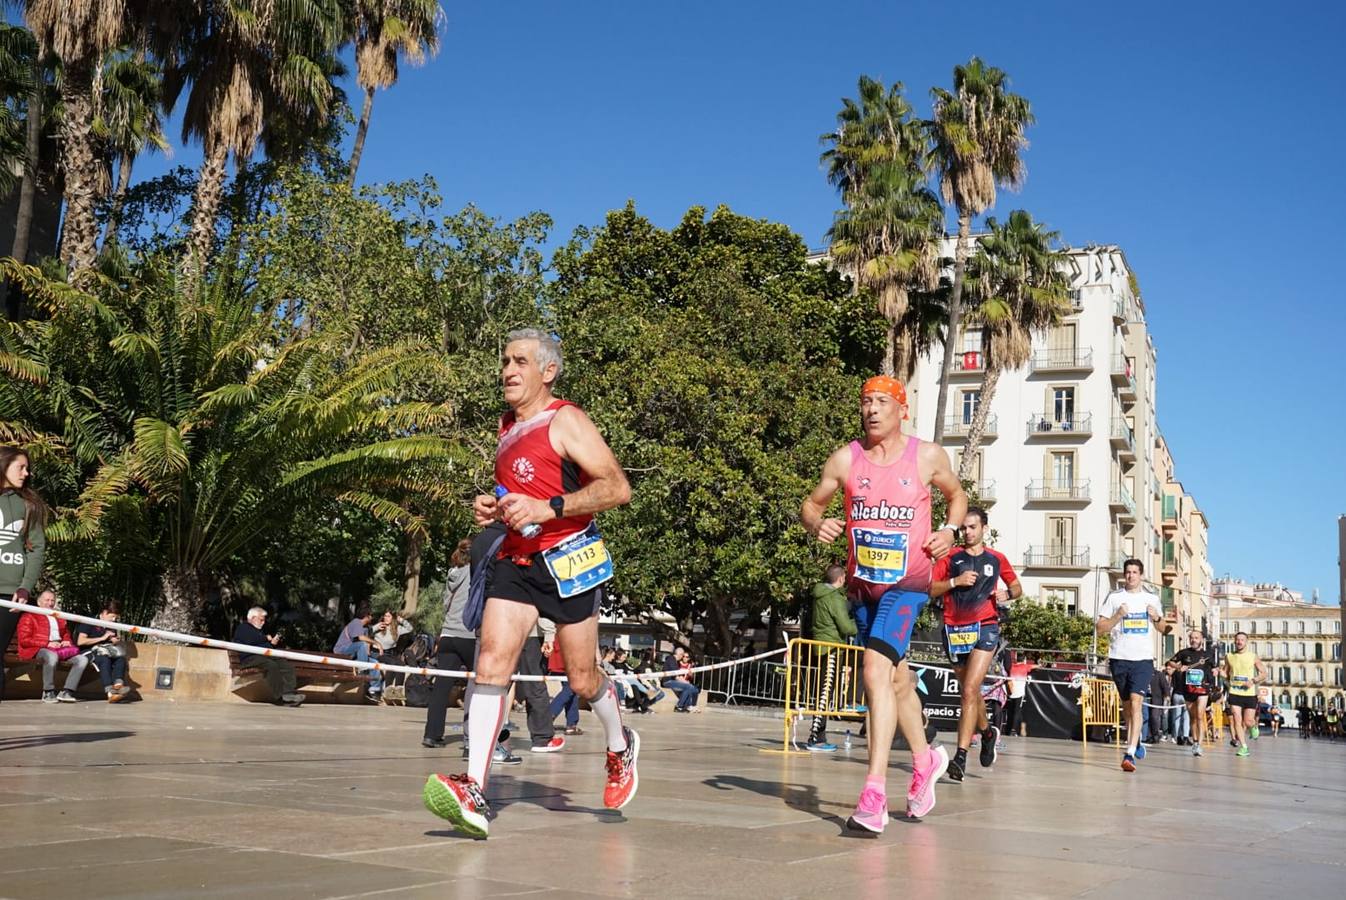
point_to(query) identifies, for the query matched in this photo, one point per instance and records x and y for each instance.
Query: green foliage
(722, 369)
(1047, 626)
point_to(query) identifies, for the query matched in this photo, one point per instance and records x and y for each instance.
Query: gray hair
(548, 347)
(254, 611)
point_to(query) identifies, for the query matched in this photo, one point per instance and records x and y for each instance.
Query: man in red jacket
(46, 639)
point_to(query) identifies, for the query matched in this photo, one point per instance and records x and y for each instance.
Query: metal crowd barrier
(759, 682)
(821, 679)
(1100, 704)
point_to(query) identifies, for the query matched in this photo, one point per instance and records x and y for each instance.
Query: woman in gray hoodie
(23, 540)
(457, 647)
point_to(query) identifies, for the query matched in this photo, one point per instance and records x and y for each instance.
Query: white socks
(609, 712)
(485, 713)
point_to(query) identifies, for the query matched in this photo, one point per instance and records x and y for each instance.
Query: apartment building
(1301, 646)
(1074, 470)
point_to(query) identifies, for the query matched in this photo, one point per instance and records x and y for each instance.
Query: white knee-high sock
(485, 716)
(609, 712)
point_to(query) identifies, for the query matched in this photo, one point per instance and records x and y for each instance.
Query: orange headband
(885, 384)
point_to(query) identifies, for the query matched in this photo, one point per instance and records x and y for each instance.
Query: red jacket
(35, 634)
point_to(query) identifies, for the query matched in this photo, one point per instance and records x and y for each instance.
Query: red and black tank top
(526, 463)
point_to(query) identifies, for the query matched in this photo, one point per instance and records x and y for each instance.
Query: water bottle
(846, 745)
(528, 531)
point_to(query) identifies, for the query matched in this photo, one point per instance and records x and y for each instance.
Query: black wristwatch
(558, 506)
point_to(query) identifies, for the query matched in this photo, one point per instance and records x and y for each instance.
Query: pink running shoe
(921, 796)
(871, 813)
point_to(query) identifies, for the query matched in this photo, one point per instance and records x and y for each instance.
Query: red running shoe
(622, 778)
(556, 743)
(458, 799)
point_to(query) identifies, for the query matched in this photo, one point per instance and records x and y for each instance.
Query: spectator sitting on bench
(46, 639)
(279, 673)
(355, 641)
(105, 647)
(677, 682)
(390, 630)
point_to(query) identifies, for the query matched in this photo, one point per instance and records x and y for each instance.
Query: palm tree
(888, 233)
(977, 133)
(80, 33)
(1018, 286)
(243, 61)
(22, 74)
(384, 31)
(200, 428)
(129, 121)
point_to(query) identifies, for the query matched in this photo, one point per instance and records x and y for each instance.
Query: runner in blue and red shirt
(969, 580)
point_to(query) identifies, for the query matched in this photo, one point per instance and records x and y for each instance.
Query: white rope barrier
(342, 662)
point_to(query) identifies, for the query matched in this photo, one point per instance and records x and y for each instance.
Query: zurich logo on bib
(880, 555)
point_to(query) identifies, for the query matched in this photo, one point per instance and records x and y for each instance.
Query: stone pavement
(203, 800)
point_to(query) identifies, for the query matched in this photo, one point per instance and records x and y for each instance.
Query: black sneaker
(957, 765)
(989, 738)
(433, 743)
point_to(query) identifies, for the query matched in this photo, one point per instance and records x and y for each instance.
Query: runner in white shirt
(1127, 617)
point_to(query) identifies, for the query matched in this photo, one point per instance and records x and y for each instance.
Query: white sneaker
(1196, 749)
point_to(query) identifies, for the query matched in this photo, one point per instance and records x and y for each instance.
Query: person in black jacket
(279, 672)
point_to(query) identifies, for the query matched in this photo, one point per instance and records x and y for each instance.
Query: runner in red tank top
(969, 580)
(886, 478)
(557, 472)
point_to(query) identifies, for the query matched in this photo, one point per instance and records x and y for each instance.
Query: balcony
(1169, 566)
(971, 362)
(1124, 377)
(1166, 598)
(1076, 298)
(958, 427)
(1074, 492)
(1121, 501)
(1123, 438)
(985, 491)
(1056, 557)
(1169, 517)
(1063, 359)
(1119, 312)
(1079, 425)
(1116, 558)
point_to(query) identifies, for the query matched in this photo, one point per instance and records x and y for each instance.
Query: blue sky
(1205, 139)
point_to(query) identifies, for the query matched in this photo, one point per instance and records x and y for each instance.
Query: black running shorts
(533, 584)
(1243, 701)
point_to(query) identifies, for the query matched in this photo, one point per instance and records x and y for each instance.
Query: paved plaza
(223, 800)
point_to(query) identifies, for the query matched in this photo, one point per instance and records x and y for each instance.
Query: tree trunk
(206, 206)
(182, 601)
(411, 574)
(119, 197)
(23, 221)
(363, 129)
(955, 319)
(717, 627)
(79, 232)
(889, 350)
(976, 430)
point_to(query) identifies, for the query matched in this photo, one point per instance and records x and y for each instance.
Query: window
(1269, 629)
(1285, 675)
(1252, 628)
(1285, 628)
(971, 399)
(1318, 700)
(972, 340)
(1301, 626)
(1063, 469)
(1285, 650)
(1336, 651)
(1064, 595)
(1299, 650)
(1063, 405)
(1301, 699)
(1318, 627)
(1285, 698)
(1336, 676)
(974, 473)
(1317, 674)
(1302, 674)
(1061, 536)
(1317, 651)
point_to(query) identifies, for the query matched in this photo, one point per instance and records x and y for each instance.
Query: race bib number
(1241, 684)
(580, 564)
(1196, 677)
(962, 638)
(880, 556)
(1136, 623)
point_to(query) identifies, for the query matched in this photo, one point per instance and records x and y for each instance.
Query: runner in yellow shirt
(1245, 672)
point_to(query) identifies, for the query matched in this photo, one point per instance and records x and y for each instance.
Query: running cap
(886, 384)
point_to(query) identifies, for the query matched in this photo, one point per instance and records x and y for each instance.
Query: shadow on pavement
(29, 741)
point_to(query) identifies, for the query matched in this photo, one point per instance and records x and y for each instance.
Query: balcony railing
(1166, 598)
(969, 361)
(957, 426)
(1116, 558)
(1053, 557)
(985, 491)
(1121, 497)
(1119, 309)
(1123, 375)
(1123, 435)
(1079, 424)
(1170, 556)
(1063, 359)
(1040, 490)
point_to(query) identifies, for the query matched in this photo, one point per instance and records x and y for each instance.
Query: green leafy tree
(1047, 626)
(1018, 286)
(202, 423)
(888, 232)
(978, 135)
(723, 369)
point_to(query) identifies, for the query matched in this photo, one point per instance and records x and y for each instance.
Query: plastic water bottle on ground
(528, 531)
(846, 744)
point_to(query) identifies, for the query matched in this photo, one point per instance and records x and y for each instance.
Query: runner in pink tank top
(887, 524)
(886, 478)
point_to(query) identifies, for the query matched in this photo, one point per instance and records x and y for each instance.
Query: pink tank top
(887, 524)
